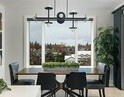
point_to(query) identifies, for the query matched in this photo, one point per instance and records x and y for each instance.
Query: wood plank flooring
(110, 92)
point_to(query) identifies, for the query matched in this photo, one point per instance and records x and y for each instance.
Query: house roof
(79, 54)
(69, 58)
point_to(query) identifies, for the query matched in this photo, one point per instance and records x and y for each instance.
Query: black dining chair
(13, 68)
(48, 82)
(75, 81)
(98, 84)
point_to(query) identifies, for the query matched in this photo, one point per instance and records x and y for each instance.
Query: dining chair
(13, 68)
(48, 82)
(98, 84)
(75, 81)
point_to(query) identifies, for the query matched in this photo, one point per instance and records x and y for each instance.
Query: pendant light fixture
(60, 17)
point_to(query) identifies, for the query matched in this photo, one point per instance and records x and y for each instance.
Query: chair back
(102, 78)
(13, 68)
(76, 80)
(46, 80)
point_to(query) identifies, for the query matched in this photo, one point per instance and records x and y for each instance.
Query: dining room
(60, 34)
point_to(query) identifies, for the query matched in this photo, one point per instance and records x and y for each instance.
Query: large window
(57, 42)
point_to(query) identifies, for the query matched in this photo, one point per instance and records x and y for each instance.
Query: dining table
(35, 71)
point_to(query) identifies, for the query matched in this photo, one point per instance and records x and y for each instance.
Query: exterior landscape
(35, 53)
(60, 53)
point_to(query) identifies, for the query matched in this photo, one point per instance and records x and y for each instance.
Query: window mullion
(43, 42)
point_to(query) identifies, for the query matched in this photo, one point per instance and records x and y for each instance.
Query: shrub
(60, 64)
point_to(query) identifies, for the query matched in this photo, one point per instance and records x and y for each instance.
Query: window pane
(60, 43)
(84, 43)
(35, 43)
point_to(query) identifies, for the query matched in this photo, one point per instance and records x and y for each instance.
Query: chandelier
(60, 17)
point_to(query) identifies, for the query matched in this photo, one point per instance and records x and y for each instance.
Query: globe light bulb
(48, 24)
(61, 15)
(73, 30)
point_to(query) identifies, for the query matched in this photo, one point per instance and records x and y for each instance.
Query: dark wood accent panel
(117, 25)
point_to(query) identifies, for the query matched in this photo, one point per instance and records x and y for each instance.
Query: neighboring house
(84, 58)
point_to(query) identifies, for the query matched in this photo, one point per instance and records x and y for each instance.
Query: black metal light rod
(48, 8)
(55, 19)
(73, 21)
(73, 14)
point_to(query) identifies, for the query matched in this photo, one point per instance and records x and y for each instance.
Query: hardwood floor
(110, 92)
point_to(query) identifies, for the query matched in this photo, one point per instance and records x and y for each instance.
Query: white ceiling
(85, 3)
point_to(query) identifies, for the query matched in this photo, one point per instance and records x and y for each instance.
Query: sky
(60, 33)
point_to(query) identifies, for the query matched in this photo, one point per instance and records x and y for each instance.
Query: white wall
(14, 40)
(2, 67)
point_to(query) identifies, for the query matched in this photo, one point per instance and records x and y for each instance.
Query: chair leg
(70, 95)
(41, 92)
(100, 92)
(103, 91)
(86, 92)
(82, 92)
(54, 94)
(66, 94)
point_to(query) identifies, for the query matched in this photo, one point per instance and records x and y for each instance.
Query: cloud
(60, 33)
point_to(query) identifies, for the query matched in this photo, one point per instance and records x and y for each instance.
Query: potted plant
(60, 65)
(106, 47)
(3, 86)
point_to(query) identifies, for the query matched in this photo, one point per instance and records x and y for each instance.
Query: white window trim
(26, 38)
(26, 43)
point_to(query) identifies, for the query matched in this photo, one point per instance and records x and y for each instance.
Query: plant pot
(61, 68)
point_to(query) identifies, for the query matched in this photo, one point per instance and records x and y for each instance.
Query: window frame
(26, 44)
